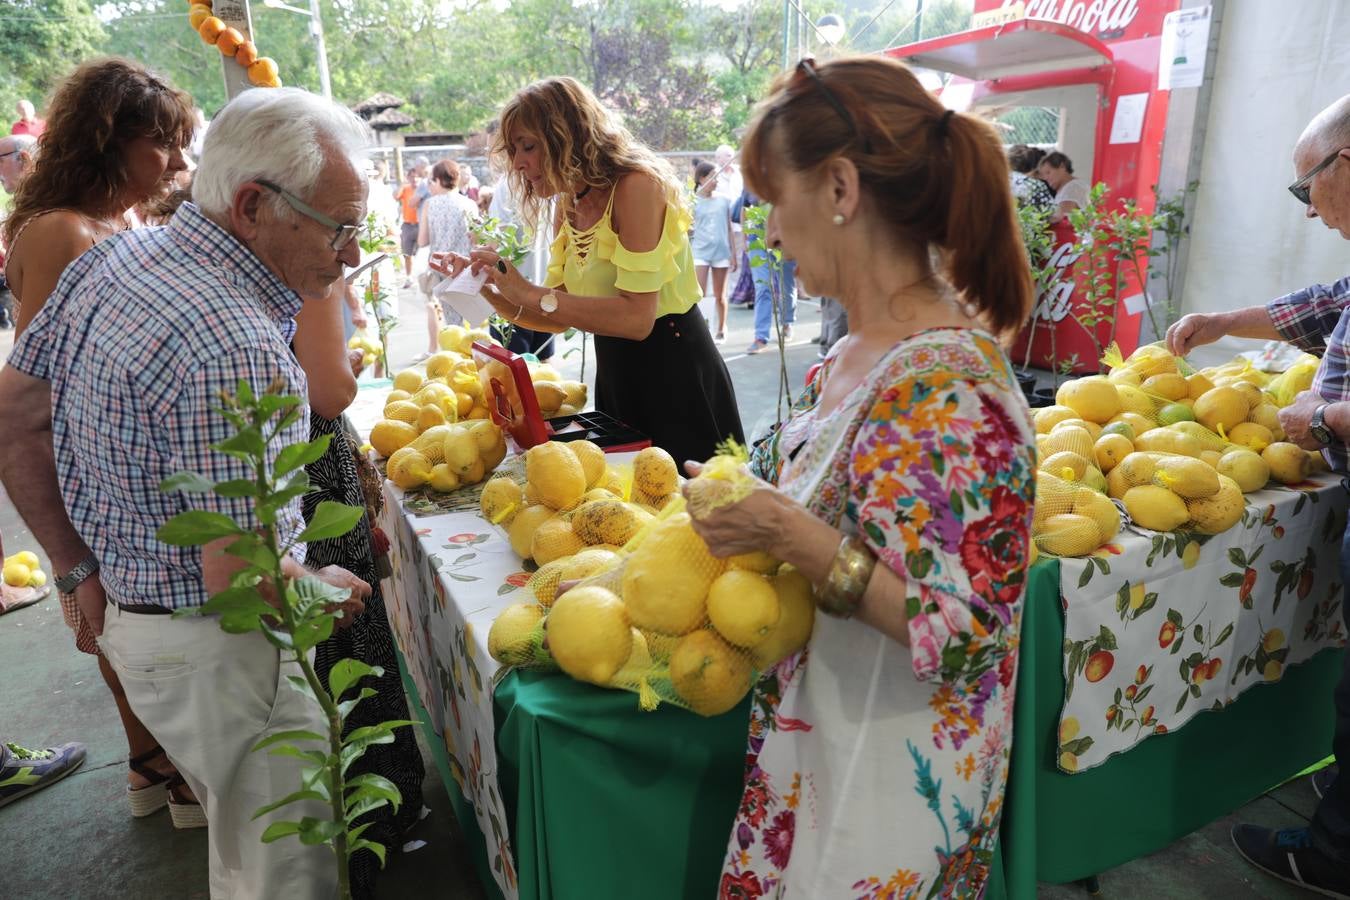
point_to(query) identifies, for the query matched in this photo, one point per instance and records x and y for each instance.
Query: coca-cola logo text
(1056, 299)
(1092, 16)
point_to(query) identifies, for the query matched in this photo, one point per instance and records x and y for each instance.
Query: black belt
(145, 609)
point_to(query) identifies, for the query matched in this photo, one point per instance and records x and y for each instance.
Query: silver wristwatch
(1318, 428)
(68, 582)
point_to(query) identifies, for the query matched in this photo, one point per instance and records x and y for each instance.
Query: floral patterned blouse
(874, 769)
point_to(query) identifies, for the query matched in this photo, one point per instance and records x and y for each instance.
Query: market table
(567, 790)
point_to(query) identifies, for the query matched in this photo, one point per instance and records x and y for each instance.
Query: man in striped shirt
(114, 387)
(1316, 319)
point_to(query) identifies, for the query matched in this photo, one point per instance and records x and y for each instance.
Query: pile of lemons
(24, 569)
(656, 613)
(1177, 448)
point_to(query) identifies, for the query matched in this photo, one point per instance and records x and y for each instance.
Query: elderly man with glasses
(16, 159)
(114, 387)
(1316, 319)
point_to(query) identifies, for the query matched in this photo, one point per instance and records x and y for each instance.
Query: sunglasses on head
(1302, 188)
(806, 74)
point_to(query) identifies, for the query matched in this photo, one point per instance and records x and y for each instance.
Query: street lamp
(830, 27)
(316, 31)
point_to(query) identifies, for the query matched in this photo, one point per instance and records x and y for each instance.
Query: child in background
(712, 241)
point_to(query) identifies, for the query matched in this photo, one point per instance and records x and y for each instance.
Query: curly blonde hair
(93, 113)
(582, 143)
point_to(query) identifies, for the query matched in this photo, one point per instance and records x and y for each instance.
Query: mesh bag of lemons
(653, 611)
(1176, 446)
(435, 431)
(24, 569)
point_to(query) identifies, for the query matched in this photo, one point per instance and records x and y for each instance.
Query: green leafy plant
(512, 244)
(754, 220)
(376, 240)
(293, 614)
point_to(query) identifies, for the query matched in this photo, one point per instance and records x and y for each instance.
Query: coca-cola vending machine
(1095, 62)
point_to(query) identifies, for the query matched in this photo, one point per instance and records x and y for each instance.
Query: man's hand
(1295, 417)
(1194, 330)
(93, 603)
(354, 605)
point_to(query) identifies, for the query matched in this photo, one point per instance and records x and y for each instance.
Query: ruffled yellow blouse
(592, 263)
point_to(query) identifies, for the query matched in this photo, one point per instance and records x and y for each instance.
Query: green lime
(1175, 412)
(1120, 428)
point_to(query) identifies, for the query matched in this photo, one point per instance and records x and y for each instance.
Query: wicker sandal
(153, 797)
(185, 813)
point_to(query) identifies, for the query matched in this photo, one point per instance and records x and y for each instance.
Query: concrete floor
(75, 840)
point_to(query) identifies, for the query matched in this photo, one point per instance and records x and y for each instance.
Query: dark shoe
(756, 347)
(24, 771)
(153, 796)
(818, 339)
(1323, 779)
(1290, 856)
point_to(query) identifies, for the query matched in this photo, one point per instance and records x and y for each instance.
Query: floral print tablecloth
(452, 574)
(1161, 627)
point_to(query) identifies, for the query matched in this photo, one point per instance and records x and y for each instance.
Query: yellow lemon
(1268, 416)
(1155, 508)
(1221, 406)
(523, 526)
(1251, 435)
(443, 479)
(554, 539)
(588, 562)
(556, 475)
(654, 472)
(16, 574)
(1186, 477)
(1169, 385)
(28, 558)
(588, 634)
(1068, 534)
(1094, 398)
(1048, 417)
(1288, 463)
(408, 468)
(743, 607)
(592, 460)
(608, 521)
(667, 577)
(1067, 465)
(1110, 449)
(708, 673)
(1138, 423)
(1220, 512)
(511, 639)
(796, 618)
(1133, 399)
(409, 380)
(756, 561)
(500, 501)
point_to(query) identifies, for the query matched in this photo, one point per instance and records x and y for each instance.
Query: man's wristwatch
(1317, 426)
(548, 304)
(67, 583)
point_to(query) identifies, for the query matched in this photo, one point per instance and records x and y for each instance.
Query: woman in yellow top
(620, 268)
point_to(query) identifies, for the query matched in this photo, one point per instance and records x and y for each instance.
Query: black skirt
(671, 386)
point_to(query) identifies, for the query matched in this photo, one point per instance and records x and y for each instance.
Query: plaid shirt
(1314, 320)
(139, 337)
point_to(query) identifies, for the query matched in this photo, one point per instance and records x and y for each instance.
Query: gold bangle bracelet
(847, 581)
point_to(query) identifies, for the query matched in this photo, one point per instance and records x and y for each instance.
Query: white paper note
(461, 294)
(1128, 125)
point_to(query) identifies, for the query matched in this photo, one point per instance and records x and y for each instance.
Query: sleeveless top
(592, 262)
(18, 301)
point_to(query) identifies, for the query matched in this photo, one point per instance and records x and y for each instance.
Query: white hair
(283, 135)
(724, 150)
(1329, 130)
(24, 143)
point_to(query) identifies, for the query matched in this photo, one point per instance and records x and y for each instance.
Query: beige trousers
(208, 697)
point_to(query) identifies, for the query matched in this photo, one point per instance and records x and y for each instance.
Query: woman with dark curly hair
(114, 140)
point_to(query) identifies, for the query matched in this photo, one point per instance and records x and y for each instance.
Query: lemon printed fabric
(1162, 627)
(875, 769)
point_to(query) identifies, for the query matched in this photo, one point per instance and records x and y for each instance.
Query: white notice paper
(461, 294)
(1128, 125)
(1181, 54)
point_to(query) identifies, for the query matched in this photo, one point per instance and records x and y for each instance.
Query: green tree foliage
(685, 74)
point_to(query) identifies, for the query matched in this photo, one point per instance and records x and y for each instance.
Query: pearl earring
(838, 218)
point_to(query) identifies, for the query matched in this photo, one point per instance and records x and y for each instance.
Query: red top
(35, 128)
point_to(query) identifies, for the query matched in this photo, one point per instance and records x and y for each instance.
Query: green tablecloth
(613, 802)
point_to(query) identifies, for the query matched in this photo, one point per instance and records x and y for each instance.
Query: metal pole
(787, 33)
(316, 29)
(918, 21)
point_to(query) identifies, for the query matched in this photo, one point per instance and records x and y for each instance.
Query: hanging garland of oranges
(262, 70)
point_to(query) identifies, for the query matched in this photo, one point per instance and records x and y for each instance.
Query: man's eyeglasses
(806, 73)
(342, 234)
(10, 153)
(1301, 188)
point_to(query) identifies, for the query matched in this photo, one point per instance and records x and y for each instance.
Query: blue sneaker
(23, 771)
(1289, 855)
